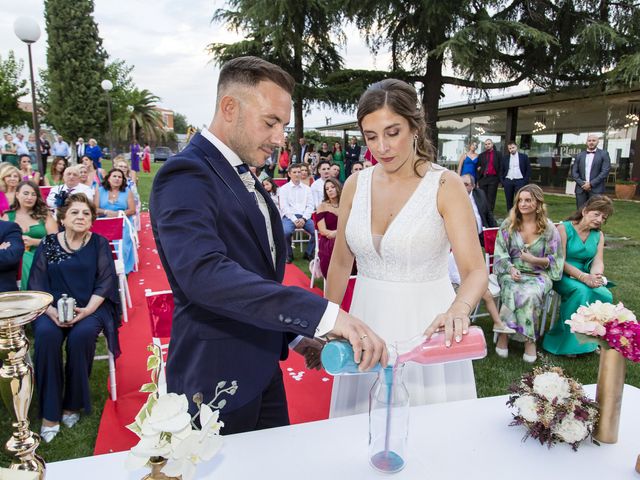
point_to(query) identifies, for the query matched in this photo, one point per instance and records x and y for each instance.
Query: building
(550, 127)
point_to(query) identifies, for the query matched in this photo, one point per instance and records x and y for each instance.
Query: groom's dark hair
(250, 71)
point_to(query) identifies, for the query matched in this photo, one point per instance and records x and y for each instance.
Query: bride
(399, 221)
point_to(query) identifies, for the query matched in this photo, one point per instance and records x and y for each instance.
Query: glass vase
(388, 421)
(611, 373)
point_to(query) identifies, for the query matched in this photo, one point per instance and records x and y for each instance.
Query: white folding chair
(112, 371)
(314, 264)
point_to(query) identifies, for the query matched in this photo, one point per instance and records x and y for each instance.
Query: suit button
(281, 318)
(296, 321)
(304, 324)
(287, 320)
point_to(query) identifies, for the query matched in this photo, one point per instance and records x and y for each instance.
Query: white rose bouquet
(168, 434)
(552, 407)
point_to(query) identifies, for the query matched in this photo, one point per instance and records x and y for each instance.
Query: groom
(221, 242)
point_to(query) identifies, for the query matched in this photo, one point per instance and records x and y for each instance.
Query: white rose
(603, 312)
(527, 407)
(623, 314)
(551, 386)
(169, 414)
(571, 430)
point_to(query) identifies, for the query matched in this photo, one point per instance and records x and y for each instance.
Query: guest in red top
(489, 171)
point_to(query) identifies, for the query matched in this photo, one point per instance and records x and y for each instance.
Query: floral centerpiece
(617, 331)
(553, 407)
(170, 441)
(612, 326)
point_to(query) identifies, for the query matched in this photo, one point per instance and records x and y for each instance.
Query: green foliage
(75, 67)
(12, 87)
(180, 123)
(301, 36)
(141, 120)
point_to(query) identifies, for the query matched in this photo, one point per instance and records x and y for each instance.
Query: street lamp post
(107, 86)
(28, 30)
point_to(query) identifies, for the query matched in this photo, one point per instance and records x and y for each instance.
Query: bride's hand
(453, 325)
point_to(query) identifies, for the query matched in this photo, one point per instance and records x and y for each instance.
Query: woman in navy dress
(77, 263)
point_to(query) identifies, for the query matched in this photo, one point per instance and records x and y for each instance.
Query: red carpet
(308, 392)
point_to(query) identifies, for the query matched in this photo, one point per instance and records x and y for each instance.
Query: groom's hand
(368, 348)
(310, 349)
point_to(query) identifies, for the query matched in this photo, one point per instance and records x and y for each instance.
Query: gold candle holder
(611, 375)
(16, 375)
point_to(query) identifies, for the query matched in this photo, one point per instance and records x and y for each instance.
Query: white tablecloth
(458, 441)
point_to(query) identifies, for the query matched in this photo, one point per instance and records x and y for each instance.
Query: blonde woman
(528, 259)
(9, 180)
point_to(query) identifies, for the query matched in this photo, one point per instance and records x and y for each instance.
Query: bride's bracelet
(459, 300)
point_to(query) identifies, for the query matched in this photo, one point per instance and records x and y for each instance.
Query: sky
(165, 40)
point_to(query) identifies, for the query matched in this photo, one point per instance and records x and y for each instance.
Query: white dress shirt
(588, 163)
(476, 213)
(328, 320)
(317, 189)
(296, 200)
(514, 172)
(80, 188)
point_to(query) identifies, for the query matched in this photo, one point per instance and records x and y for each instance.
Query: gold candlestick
(16, 375)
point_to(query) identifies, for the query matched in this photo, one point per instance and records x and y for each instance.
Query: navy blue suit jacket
(232, 319)
(525, 167)
(10, 257)
(599, 170)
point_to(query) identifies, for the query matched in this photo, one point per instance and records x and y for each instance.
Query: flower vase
(611, 375)
(156, 464)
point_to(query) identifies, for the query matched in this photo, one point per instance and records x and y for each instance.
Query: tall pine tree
(76, 65)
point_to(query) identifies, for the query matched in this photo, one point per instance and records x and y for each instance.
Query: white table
(458, 440)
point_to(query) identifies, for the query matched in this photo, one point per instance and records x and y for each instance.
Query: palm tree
(142, 121)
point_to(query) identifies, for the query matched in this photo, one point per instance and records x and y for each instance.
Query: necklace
(113, 196)
(68, 247)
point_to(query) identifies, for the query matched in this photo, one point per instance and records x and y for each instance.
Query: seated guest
(112, 198)
(32, 215)
(11, 251)
(480, 205)
(356, 167)
(296, 205)
(131, 179)
(528, 258)
(327, 218)
(305, 174)
(79, 264)
(54, 176)
(583, 281)
(95, 175)
(334, 171)
(26, 170)
(317, 188)
(9, 180)
(272, 189)
(71, 184)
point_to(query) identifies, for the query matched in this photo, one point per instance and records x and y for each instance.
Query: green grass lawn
(493, 374)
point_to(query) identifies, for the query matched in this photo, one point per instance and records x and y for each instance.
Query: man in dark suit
(304, 148)
(11, 250)
(351, 155)
(516, 172)
(221, 242)
(482, 212)
(489, 171)
(590, 171)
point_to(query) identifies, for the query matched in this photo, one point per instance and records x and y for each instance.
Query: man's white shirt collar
(229, 154)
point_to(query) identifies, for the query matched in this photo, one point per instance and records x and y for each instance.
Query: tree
(12, 87)
(495, 44)
(142, 121)
(301, 36)
(75, 104)
(180, 123)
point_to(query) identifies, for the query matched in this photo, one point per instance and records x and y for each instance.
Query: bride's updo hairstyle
(402, 99)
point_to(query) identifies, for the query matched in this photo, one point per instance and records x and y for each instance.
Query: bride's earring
(415, 146)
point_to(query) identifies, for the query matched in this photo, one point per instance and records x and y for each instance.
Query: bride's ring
(364, 336)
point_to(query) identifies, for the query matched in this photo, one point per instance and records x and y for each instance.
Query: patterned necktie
(247, 178)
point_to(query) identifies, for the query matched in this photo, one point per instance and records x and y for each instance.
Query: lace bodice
(415, 247)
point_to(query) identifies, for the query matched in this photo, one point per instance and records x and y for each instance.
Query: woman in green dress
(583, 281)
(30, 212)
(528, 258)
(54, 176)
(338, 159)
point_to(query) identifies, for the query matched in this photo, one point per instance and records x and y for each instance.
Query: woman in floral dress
(528, 259)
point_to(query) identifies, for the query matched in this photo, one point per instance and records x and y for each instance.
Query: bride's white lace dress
(402, 284)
